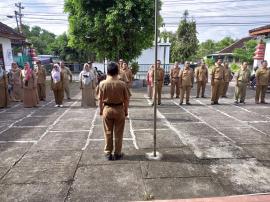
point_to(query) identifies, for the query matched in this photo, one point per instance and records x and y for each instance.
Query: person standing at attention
(67, 78)
(242, 80)
(185, 82)
(4, 96)
(41, 81)
(217, 80)
(201, 75)
(16, 82)
(174, 77)
(29, 85)
(262, 82)
(227, 79)
(160, 81)
(87, 85)
(57, 85)
(113, 104)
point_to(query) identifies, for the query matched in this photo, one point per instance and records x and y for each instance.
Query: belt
(175, 77)
(112, 104)
(218, 78)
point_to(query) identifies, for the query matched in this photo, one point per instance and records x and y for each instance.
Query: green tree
(206, 48)
(186, 44)
(225, 42)
(247, 52)
(112, 29)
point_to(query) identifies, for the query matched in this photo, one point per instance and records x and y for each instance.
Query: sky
(215, 19)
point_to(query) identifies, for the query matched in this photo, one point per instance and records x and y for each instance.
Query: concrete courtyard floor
(56, 154)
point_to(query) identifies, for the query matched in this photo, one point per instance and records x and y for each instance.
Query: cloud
(209, 25)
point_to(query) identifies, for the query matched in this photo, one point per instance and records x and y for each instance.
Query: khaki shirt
(126, 75)
(67, 73)
(113, 91)
(227, 74)
(174, 72)
(218, 72)
(160, 74)
(243, 75)
(41, 75)
(186, 77)
(201, 74)
(262, 76)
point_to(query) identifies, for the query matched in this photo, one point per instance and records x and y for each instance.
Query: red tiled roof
(260, 30)
(238, 44)
(8, 32)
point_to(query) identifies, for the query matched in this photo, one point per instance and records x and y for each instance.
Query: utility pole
(19, 13)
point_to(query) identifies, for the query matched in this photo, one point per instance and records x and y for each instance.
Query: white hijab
(87, 76)
(56, 74)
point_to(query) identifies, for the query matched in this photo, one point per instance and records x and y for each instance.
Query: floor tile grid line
(29, 115)
(167, 123)
(131, 129)
(91, 130)
(232, 117)
(14, 106)
(55, 122)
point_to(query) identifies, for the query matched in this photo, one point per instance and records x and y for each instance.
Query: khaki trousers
(225, 88)
(175, 84)
(159, 90)
(217, 88)
(66, 88)
(201, 85)
(41, 88)
(260, 92)
(185, 90)
(113, 125)
(240, 91)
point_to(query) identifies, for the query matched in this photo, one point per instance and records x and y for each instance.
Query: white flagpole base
(150, 156)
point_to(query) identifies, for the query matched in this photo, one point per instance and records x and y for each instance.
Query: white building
(7, 35)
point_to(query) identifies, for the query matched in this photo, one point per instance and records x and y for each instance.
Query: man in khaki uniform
(185, 82)
(217, 80)
(242, 80)
(227, 79)
(41, 81)
(174, 76)
(67, 78)
(120, 63)
(160, 81)
(262, 81)
(126, 75)
(113, 104)
(201, 75)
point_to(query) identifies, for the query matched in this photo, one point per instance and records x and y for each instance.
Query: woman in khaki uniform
(41, 81)
(174, 76)
(29, 85)
(113, 104)
(227, 79)
(217, 82)
(16, 83)
(4, 97)
(57, 85)
(88, 85)
(185, 83)
(262, 82)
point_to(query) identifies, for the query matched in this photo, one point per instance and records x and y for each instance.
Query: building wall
(7, 52)
(267, 51)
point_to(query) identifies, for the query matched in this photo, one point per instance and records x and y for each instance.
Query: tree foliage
(247, 52)
(113, 29)
(186, 44)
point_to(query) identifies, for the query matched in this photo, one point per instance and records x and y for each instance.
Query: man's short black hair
(112, 69)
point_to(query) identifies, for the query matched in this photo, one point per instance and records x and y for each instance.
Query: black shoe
(216, 103)
(197, 96)
(177, 97)
(109, 157)
(203, 96)
(118, 156)
(236, 102)
(181, 103)
(243, 102)
(159, 104)
(213, 103)
(188, 103)
(263, 102)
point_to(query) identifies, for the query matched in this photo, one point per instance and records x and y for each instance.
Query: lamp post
(11, 16)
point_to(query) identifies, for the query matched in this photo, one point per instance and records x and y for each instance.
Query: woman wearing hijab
(4, 96)
(16, 83)
(57, 85)
(88, 84)
(29, 85)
